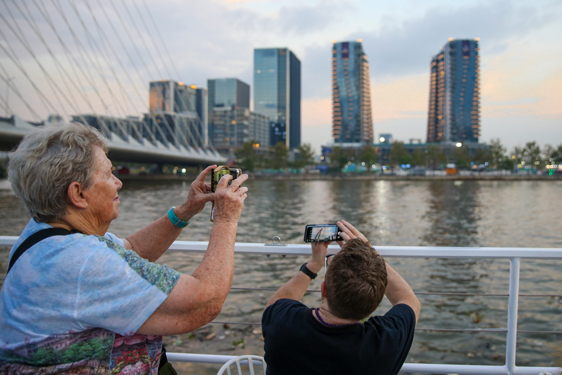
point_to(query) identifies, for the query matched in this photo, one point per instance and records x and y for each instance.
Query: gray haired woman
(77, 299)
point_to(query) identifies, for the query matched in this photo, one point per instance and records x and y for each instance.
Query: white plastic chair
(248, 360)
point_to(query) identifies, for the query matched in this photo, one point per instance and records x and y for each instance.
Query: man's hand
(199, 194)
(229, 200)
(348, 232)
(319, 252)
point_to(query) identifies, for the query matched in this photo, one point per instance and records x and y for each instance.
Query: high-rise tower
(454, 96)
(351, 94)
(277, 93)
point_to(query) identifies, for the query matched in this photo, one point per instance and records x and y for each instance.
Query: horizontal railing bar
(390, 251)
(407, 368)
(420, 329)
(413, 368)
(427, 293)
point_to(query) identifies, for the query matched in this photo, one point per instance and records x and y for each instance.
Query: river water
(435, 213)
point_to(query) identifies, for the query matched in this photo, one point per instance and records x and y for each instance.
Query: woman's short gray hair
(47, 161)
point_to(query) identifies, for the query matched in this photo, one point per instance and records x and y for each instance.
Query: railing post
(513, 304)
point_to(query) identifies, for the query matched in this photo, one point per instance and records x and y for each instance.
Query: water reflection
(452, 211)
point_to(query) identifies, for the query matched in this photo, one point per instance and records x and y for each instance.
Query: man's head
(356, 280)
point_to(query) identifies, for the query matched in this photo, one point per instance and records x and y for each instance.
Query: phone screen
(322, 233)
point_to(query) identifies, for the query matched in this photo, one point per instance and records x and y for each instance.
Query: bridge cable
(16, 61)
(166, 124)
(33, 25)
(137, 70)
(74, 105)
(44, 100)
(161, 39)
(109, 63)
(149, 32)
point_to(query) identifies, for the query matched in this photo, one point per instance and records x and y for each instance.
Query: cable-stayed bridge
(124, 143)
(90, 61)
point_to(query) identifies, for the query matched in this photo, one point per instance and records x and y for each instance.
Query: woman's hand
(229, 200)
(199, 194)
(348, 232)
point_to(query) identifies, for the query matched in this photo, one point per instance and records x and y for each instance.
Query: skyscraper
(351, 94)
(277, 93)
(178, 111)
(231, 123)
(228, 93)
(172, 97)
(201, 107)
(454, 96)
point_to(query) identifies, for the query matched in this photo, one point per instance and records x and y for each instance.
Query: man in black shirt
(331, 339)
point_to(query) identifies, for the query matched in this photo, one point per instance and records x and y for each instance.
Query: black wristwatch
(304, 269)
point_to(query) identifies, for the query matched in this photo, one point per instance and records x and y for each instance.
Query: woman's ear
(76, 195)
(323, 289)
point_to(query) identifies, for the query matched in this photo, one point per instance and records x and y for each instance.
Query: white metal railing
(514, 254)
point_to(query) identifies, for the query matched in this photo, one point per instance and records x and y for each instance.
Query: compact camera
(321, 233)
(223, 170)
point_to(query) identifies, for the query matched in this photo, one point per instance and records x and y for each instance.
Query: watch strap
(175, 220)
(304, 269)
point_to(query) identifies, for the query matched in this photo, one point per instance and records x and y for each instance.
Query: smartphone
(223, 170)
(321, 233)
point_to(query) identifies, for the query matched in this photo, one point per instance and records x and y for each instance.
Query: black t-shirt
(296, 343)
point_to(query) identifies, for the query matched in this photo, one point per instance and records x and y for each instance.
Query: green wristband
(175, 220)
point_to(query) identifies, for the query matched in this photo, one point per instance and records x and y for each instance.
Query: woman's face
(102, 195)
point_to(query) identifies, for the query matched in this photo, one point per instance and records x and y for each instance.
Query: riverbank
(5, 185)
(365, 177)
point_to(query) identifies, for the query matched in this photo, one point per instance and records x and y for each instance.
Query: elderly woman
(83, 300)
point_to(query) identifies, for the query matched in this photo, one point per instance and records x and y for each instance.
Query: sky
(110, 50)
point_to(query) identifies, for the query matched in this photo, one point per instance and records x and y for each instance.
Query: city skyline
(521, 64)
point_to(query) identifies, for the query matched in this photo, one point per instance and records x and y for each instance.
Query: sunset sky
(520, 54)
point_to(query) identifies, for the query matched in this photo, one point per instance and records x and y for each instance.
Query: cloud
(402, 48)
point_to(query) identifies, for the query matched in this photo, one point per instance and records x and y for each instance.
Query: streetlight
(459, 144)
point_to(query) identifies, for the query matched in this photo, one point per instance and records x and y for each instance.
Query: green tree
(248, 156)
(399, 154)
(461, 157)
(533, 155)
(368, 155)
(556, 155)
(306, 155)
(481, 156)
(517, 155)
(280, 156)
(497, 152)
(419, 157)
(432, 156)
(507, 164)
(341, 156)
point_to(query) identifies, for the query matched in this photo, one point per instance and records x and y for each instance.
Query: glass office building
(228, 93)
(202, 109)
(178, 110)
(172, 97)
(351, 94)
(454, 96)
(232, 127)
(277, 93)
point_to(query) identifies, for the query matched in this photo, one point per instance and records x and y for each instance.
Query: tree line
(249, 157)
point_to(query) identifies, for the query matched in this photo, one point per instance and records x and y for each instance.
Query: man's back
(297, 343)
